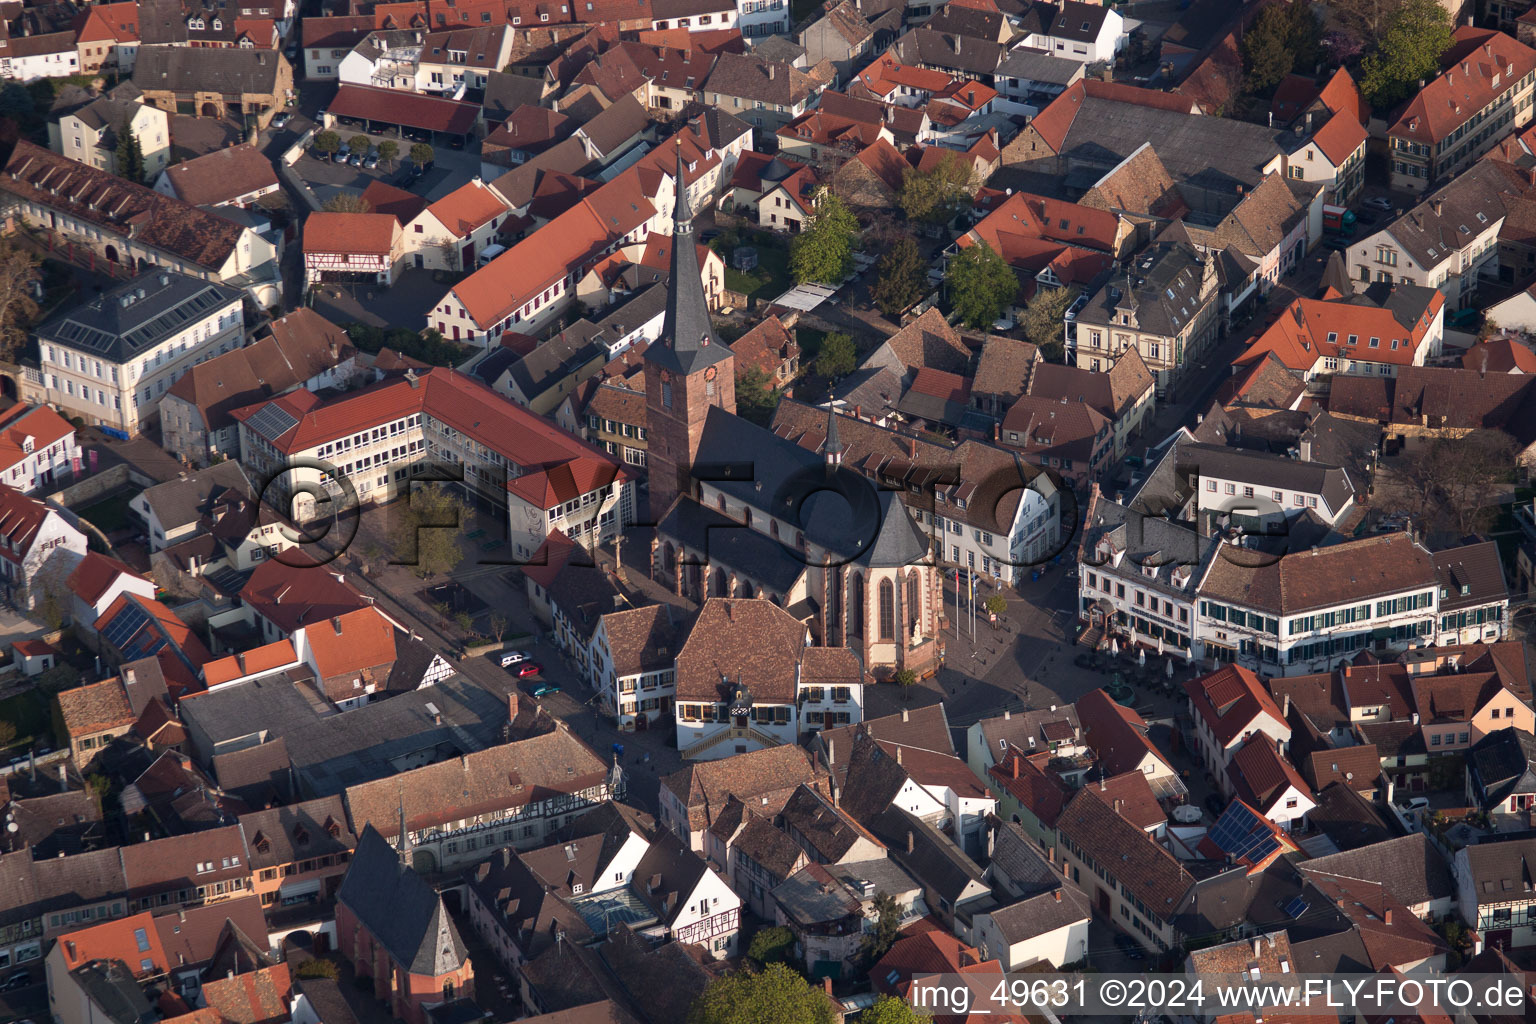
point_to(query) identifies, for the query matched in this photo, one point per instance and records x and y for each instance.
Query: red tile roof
(1230, 700)
(1117, 734)
(351, 642)
(411, 109)
(1034, 788)
(1480, 66)
(383, 197)
(260, 659)
(1314, 329)
(20, 421)
(294, 595)
(20, 518)
(119, 22)
(467, 208)
(117, 940)
(95, 573)
(1056, 119)
(371, 234)
(1261, 774)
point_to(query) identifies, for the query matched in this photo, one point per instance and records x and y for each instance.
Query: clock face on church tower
(709, 374)
(666, 376)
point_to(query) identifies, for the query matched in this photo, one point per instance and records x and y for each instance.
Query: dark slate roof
(1266, 470)
(1163, 290)
(1347, 818)
(1016, 855)
(687, 344)
(399, 908)
(1409, 866)
(1478, 568)
(934, 859)
(228, 70)
(865, 526)
(1041, 913)
(118, 324)
(731, 545)
(1502, 763)
(872, 781)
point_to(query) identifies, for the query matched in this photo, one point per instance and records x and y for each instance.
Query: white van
(489, 253)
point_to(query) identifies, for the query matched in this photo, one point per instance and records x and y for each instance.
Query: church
(744, 513)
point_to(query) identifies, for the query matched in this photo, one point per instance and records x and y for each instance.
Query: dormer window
(217, 25)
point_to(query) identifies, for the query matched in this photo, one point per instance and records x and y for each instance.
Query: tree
(497, 624)
(887, 928)
(359, 143)
(426, 530)
(452, 259)
(756, 397)
(771, 945)
(18, 304)
(346, 202)
(823, 252)
(1364, 19)
(997, 604)
(903, 275)
(1044, 320)
(1416, 34)
(1342, 47)
(318, 968)
(130, 155)
(327, 142)
(1284, 38)
(775, 994)
(905, 678)
(936, 195)
(464, 621)
(421, 154)
(389, 149)
(837, 356)
(893, 1010)
(1451, 482)
(981, 286)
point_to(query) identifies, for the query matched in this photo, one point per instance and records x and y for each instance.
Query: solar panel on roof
(1296, 908)
(272, 421)
(124, 625)
(1240, 833)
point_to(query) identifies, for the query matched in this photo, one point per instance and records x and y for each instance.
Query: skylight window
(1354, 339)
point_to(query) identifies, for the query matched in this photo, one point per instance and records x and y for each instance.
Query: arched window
(887, 610)
(914, 603)
(856, 606)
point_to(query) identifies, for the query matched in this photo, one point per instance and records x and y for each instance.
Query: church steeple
(688, 371)
(687, 343)
(832, 448)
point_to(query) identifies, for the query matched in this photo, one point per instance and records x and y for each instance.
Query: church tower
(687, 369)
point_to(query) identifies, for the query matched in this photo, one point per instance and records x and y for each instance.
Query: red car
(529, 668)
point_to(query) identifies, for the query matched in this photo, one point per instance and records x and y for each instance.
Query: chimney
(1057, 893)
(911, 841)
(898, 755)
(1437, 205)
(1258, 947)
(912, 447)
(1117, 805)
(904, 714)
(1285, 709)
(1386, 916)
(64, 777)
(1015, 766)
(1009, 714)
(831, 752)
(771, 70)
(826, 986)
(512, 706)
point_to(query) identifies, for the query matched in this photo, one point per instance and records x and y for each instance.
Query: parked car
(21, 979)
(281, 120)
(355, 159)
(1338, 243)
(371, 161)
(1416, 803)
(545, 689)
(529, 668)
(1381, 203)
(1129, 946)
(1003, 324)
(510, 658)
(457, 142)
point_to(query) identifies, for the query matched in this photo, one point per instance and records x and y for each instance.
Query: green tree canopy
(771, 945)
(422, 154)
(18, 276)
(425, 529)
(326, 141)
(1284, 38)
(130, 155)
(981, 285)
(903, 275)
(389, 149)
(1043, 320)
(936, 195)
(1417, 33)
(879, 939)
(345, 202)
(776, 995)
(823, 252)
(756, 397)
(837, 357)
(893, 1010)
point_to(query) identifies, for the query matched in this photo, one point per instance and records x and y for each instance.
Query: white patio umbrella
(1114, 647)
(1159, 646)
(1141, 657)
(1170, 668)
